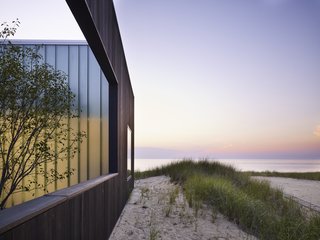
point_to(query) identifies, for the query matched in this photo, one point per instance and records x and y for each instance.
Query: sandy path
(306, 192)
(149, 215)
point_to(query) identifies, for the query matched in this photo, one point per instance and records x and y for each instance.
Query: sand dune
(150, 215)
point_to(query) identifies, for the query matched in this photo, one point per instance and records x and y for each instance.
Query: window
(129, 151)
(91, 88)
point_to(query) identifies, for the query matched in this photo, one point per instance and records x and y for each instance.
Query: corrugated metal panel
(91, 88)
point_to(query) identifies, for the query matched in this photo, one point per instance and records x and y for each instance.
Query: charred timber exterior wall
(83, 211)
(88, 210)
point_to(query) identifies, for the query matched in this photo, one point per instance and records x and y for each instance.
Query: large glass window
(89, 84)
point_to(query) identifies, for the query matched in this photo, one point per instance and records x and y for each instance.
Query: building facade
(88, 204)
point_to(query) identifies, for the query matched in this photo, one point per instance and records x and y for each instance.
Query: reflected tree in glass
(35, 105)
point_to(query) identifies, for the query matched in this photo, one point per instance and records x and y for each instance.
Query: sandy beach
(150, 214)
(306, 192)
(157, 209)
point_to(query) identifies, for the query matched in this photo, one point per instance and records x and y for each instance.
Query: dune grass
(254, 206)
(297, 175)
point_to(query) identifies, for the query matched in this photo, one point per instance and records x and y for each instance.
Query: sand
(306, 192)
(150, 215)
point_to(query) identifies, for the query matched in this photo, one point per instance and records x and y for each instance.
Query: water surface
(279, 165)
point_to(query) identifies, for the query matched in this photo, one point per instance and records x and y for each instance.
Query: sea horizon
(242, 164)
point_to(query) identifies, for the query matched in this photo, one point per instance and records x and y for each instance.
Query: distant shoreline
(279, 165)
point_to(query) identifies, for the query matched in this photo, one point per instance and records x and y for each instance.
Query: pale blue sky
(225, 78)
(216, 78)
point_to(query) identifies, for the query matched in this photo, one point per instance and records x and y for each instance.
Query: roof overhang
(86, 21)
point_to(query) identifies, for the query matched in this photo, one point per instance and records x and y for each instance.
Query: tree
(36, 105)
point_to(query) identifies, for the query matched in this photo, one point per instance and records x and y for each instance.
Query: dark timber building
(87, 205)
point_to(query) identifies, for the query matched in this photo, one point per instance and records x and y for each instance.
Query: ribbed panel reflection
(91, 88)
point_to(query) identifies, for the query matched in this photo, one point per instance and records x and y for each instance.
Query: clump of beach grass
(173, 194)
(253, 205)
(154, 232)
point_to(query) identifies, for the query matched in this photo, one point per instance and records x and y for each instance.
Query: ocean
(279, 165)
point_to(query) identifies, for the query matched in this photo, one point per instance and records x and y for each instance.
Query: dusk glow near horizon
(220, 79)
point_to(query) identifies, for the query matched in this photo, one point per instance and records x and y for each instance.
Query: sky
(211, 78)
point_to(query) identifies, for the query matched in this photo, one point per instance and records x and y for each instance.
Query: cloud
(317, 131)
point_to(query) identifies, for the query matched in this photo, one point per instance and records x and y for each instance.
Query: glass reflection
(89, 84)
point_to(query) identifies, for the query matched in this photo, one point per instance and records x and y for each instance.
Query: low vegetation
(297, 175)
(253, 205)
